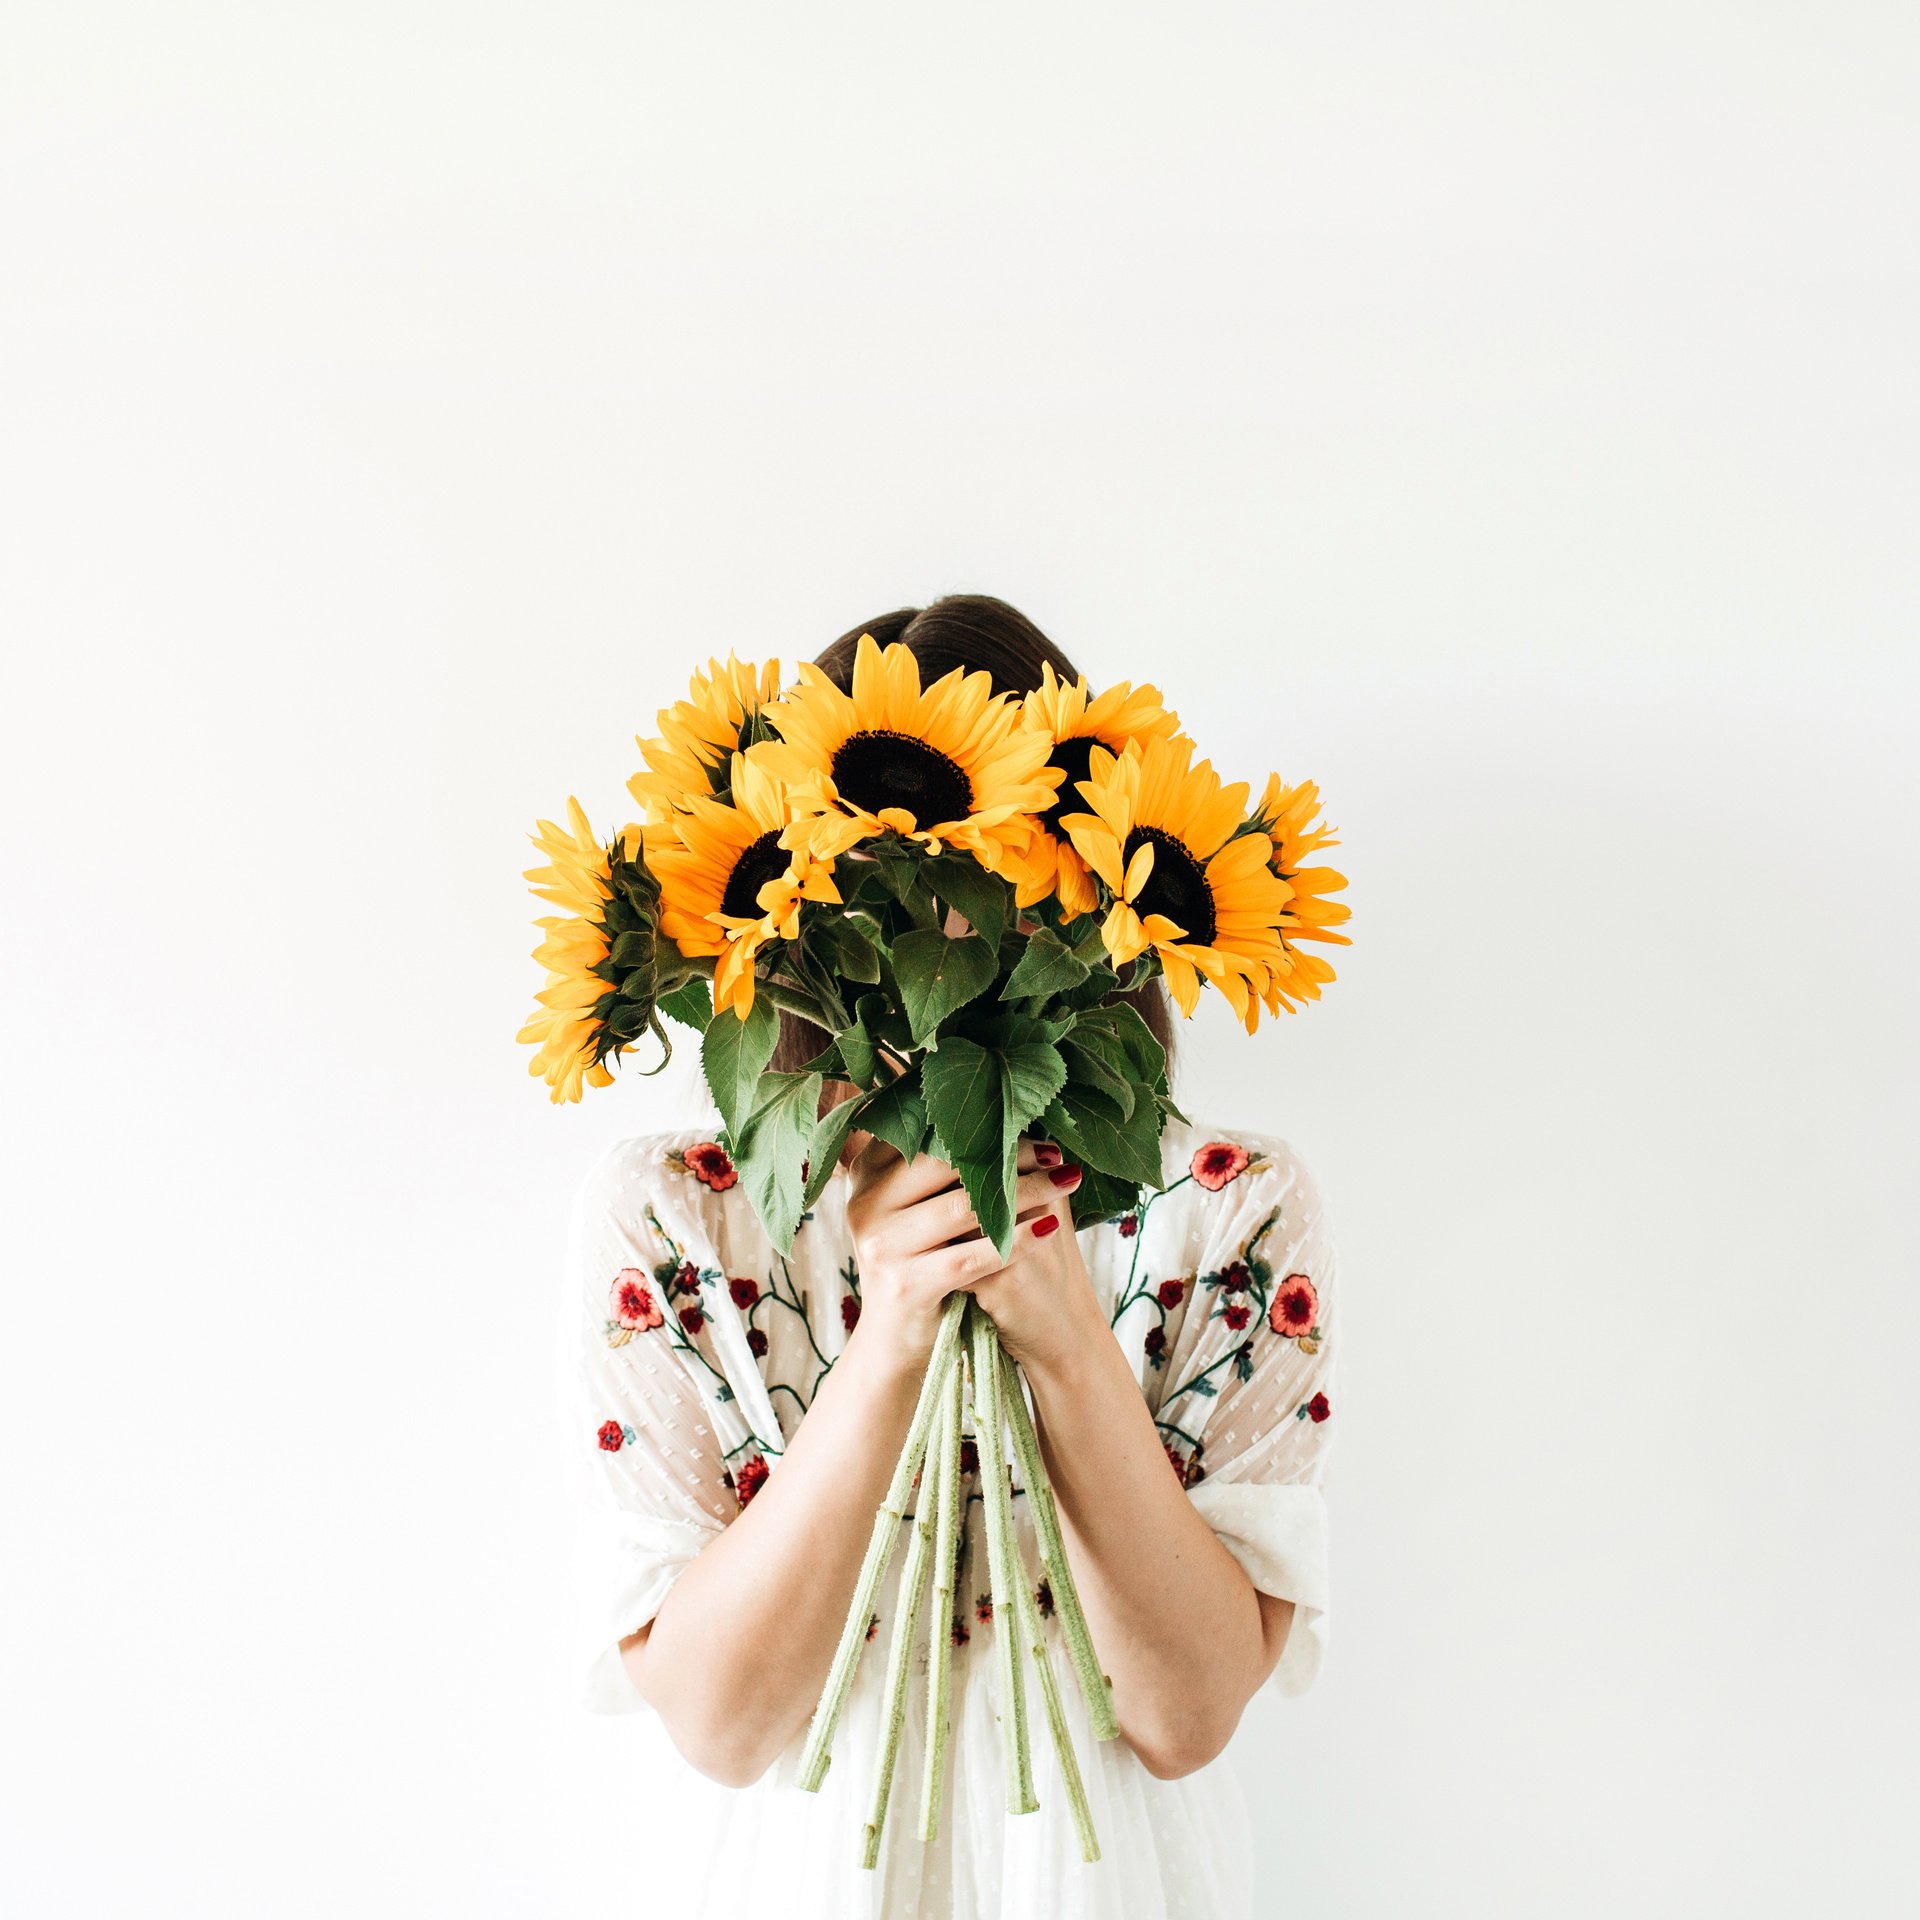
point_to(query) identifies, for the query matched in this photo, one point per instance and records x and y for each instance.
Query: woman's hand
(1041, 1301)
(916, 1240)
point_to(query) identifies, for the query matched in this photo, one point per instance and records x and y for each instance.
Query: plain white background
(1503, 414)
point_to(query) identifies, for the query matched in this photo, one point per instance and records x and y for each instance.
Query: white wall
(1504, 414)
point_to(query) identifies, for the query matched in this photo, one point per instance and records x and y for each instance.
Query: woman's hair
(980, 633)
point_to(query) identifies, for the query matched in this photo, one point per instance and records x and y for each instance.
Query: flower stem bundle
(974, 1351)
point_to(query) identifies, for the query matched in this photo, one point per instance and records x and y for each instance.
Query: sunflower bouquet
(956, 887)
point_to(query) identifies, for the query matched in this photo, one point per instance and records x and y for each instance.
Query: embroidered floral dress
(691, 1354)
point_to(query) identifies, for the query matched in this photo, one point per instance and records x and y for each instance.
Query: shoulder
(1237, 1161)
(652, 1170)
(1236, 1197)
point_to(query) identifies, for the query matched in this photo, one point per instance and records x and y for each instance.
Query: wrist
(1077, 1344)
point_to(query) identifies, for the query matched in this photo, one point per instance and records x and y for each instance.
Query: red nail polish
(1045, 1155)
(1045, 1225)
(1065, 1176)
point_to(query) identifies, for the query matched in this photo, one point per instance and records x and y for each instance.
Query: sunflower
(728, 885)
(951, 766)
(1285, 816)
(1076, 722)
(700, 735)
(602, 956)
(1164, 835)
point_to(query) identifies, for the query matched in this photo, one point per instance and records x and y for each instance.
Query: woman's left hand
(1042, 1301)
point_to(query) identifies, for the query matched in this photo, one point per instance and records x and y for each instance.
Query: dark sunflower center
(1074, 758)
(1177, 886)
(878, 770)
(765, 860)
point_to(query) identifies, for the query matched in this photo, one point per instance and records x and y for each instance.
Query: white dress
(690, 1353)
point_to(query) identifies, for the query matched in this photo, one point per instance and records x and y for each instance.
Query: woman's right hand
(915, 1241)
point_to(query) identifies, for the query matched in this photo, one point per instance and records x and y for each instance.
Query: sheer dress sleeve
(648, 1479)
(1242, 1383)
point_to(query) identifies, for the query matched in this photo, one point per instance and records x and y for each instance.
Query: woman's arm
(1182, 1632)
(1185, 1636)
(781, 1576)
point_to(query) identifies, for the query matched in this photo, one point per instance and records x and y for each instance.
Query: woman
(1179, 1364)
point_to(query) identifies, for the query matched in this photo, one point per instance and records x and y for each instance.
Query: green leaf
(858, 1054)
(691, 1003)
(828, 1140)
(897, 1114)
(938, 976)
(734, 1054)
(1102, 1196)
(773, 1146)
(843, 948)
(965, 1101)
(979, 1100)
(984, 899)
(990, 1186)
(1130, 1149)
(1091, 1066)
(1048, 966)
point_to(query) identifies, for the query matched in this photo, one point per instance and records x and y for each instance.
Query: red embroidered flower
(708, 1163)
(612, 1437)
(633, 1301)
(1156, 1340)
(983, 1607)
(1172, 1292)
(686, 1278)
(1129, 1225)
(849, 1311)
(1294, 1307)
(757, 1343)
(960, 1634)
(1218, 1163)
(743, 1293)
(1043, 1597)
(1236, 1278)
(1237, 1315)
(1318, 1407)
(1174, 1457)
(969, 1457)
(873, 1626)
(750, 1479)
(692, 1319)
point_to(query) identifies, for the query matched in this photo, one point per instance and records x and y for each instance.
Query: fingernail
(1045, 1225)
(1065, 1176)
(1045, 1155)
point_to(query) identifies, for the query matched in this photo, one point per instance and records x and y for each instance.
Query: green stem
(818, 1752)
(946, 1527)
(906, 1616)
(1031, 1631)
(1095, 1688)
(1003, 1563)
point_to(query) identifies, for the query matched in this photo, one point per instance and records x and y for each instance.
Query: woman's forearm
(778, 1579)
(1178, 1625)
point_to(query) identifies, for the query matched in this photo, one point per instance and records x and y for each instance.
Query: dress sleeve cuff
(1279, 1535)
(630, 1560)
